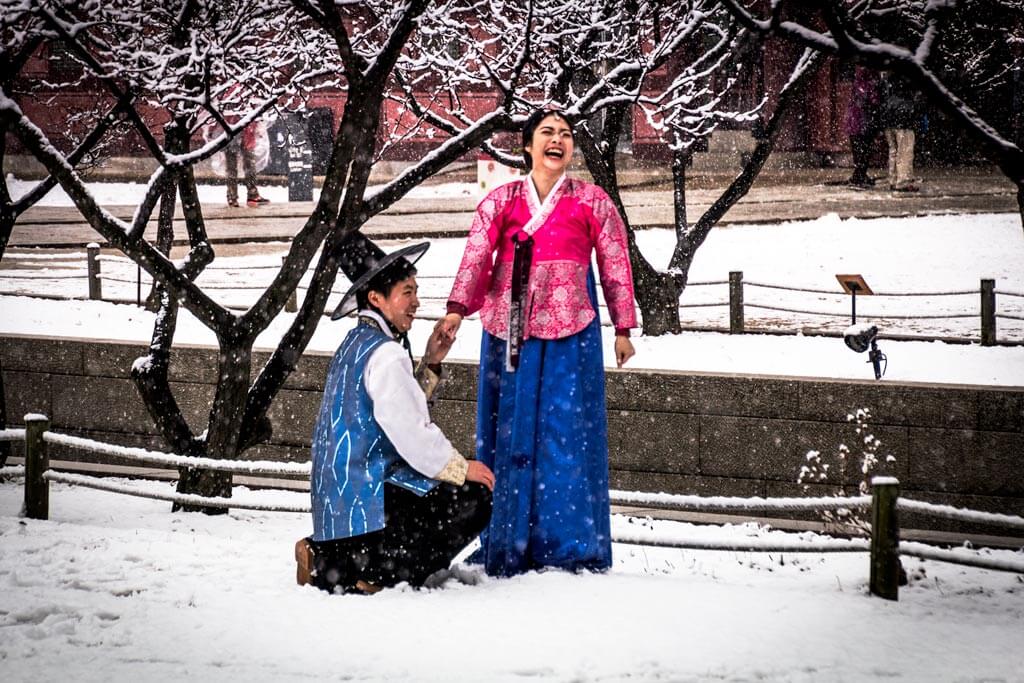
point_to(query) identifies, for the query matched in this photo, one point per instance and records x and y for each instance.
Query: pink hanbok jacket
(584, 220)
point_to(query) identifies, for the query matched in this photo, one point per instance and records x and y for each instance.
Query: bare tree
(949, 50)
(594, 60)
(676, 60)
(22, 34)
(182, 63)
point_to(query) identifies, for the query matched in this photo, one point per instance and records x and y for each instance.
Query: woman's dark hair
(531, 124)
(384, 281)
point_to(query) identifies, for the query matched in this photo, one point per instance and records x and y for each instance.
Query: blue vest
(352, 457)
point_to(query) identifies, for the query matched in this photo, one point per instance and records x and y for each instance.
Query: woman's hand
(480, 473)
(451, 323)
(439, 343)
(623, 350)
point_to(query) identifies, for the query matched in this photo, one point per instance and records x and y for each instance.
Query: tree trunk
(203, 483)
(680, 160)
(164, 235)
(740, 186)
(150, 376)
(656, 293)
(1020, 201)
(151, 372)
(225, 425)
(349, 169)
(6, 227)
(5, 446)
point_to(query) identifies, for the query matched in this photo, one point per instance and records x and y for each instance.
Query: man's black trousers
(421, 535)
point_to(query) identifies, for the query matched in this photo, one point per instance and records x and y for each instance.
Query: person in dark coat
(900, 116)
(862, 123)
(393, 501)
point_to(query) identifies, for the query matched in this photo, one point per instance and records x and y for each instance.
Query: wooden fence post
(37, 461)
(292, 305)
(988, 312)
(736, 302)
(92, 251)
(885, 538)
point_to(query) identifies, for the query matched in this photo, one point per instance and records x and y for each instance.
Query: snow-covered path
(118, 589)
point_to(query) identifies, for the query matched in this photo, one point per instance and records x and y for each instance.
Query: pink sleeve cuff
(456, 307)
(621, 331)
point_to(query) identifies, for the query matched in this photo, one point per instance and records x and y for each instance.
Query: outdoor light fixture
(860, 338)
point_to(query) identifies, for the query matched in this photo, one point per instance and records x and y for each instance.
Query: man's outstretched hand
(481, 474)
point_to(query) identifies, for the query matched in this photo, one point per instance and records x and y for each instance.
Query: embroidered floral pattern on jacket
(583, 222)
(474, 274)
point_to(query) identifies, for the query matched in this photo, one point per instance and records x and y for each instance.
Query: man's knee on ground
(478, 501)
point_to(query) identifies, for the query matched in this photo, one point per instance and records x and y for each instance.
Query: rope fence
(42, 276)
(883, 545)
(12, 434)
(958, 292)
(887, 316)
(986, 292)
(963, 556)
(752, 545)
(12, 471)
(180, 498)
(736, 303)
(711, 304)
(144, 455)
(669, 501)
(961, 515)
(707, 283)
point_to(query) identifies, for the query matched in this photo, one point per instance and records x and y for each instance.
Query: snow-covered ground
(933, 254)
(117, 589)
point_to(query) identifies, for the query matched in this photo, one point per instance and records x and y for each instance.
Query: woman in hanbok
(541, 416)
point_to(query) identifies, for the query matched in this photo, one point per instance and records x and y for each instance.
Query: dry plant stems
(817, 470)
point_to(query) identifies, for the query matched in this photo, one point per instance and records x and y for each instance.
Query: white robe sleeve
(400, 408)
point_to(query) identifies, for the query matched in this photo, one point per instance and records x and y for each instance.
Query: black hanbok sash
(522, 260)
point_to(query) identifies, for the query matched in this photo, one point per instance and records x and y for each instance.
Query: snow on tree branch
(905, 39)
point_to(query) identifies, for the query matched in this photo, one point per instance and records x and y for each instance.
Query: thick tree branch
(141, 127)
(384, 61)
(30, 198)
(449, 151)
(740, 186)
(328, 18)
(113, 230)
(1008, 156)
(150, 376)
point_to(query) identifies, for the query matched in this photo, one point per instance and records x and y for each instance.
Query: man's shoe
(257, 201)
(303, 562)
(907, 188)
(233, 203)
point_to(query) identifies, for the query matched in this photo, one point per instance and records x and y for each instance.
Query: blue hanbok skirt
(544, 431)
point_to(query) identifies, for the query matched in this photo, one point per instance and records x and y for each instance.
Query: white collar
(536, 205)
(374, 315)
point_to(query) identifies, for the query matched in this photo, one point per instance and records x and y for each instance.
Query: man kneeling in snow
(393, 500)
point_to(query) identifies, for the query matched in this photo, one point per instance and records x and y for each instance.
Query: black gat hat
(361, 260)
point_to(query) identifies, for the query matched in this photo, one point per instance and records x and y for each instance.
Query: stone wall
(669, 431)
